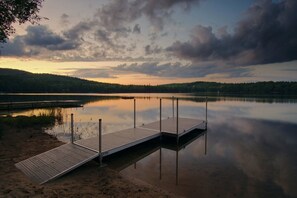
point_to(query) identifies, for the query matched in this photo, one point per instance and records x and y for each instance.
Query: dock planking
(53, 163)
(58, 161)
(115, 142)
(169, 126)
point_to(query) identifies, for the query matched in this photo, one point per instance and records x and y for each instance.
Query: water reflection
(264, 151)
(118, 114)
(251, 144)
(253, 158)
(117, 111)
(121, 162)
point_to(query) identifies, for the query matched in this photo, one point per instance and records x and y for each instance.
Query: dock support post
(160, 115)
(177, 137)
(206, 113)
(176, 166)
(160, 176)
(205, 143)
(72, 130)
(100, 141)
(134, 113)
(173, 106)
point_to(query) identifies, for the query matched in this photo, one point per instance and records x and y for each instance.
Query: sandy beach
(17, 144)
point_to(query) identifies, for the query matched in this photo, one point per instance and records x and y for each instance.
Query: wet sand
(86, 181)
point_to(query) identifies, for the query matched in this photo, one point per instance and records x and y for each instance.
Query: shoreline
(17, 144)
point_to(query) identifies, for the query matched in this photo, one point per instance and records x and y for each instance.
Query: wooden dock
(170, 126)
(39, 104)
(118, 141)
(57, 162)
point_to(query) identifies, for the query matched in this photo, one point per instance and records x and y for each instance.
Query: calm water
(249, 150)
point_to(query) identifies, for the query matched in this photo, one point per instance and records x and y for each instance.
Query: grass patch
(41, 120)
(27, 121)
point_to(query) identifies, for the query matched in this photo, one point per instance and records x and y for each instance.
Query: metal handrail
(72, 131)
(100, 141)
(160, 115)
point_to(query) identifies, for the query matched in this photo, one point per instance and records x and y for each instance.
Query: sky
(157, 42)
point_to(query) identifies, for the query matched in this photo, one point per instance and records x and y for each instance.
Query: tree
(13, 11)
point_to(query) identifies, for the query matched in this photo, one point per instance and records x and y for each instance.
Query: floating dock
(59, 161)
(39, 104)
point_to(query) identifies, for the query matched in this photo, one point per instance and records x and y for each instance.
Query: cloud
(42, 36)
(136, 29)
(157, 10)
(77, 31)
(93, 73)
(181, 71)
(267, 34)
(109, 40)
(129, 11)
(104, 37)
(17, 47)
(152, 50)
(39, 40)
(64, 20)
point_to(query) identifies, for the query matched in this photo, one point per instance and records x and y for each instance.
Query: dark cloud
(267, 34)
(16, 47)
(37, 38)
(136, 29)
(116, 14)
(91, 34)
(77, 31)
(108, 40)
(152, 50)
(157, 10)
(104, 36)
(121, 32)
(182, 71)
(41, 36)
(128, 11)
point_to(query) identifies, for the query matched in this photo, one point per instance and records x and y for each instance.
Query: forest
(17, 81)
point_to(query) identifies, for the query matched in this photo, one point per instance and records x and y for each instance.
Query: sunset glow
(159, 43)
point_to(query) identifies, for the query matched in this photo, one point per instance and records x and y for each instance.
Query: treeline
(16, 81)
(258, 88)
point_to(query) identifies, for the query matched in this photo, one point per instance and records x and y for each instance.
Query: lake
(249, 149)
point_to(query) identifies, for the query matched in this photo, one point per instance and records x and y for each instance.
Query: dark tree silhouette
(13, 11)
(25, 82)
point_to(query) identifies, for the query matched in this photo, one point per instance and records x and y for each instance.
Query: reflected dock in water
(132, 156)
(51, 164)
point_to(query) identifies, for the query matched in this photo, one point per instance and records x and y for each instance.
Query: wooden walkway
(56, 162)
(169, 126)
(118, 141)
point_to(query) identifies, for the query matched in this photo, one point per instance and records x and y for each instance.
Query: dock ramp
(56, 162)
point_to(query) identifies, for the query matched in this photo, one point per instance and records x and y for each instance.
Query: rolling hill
(17, 81)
